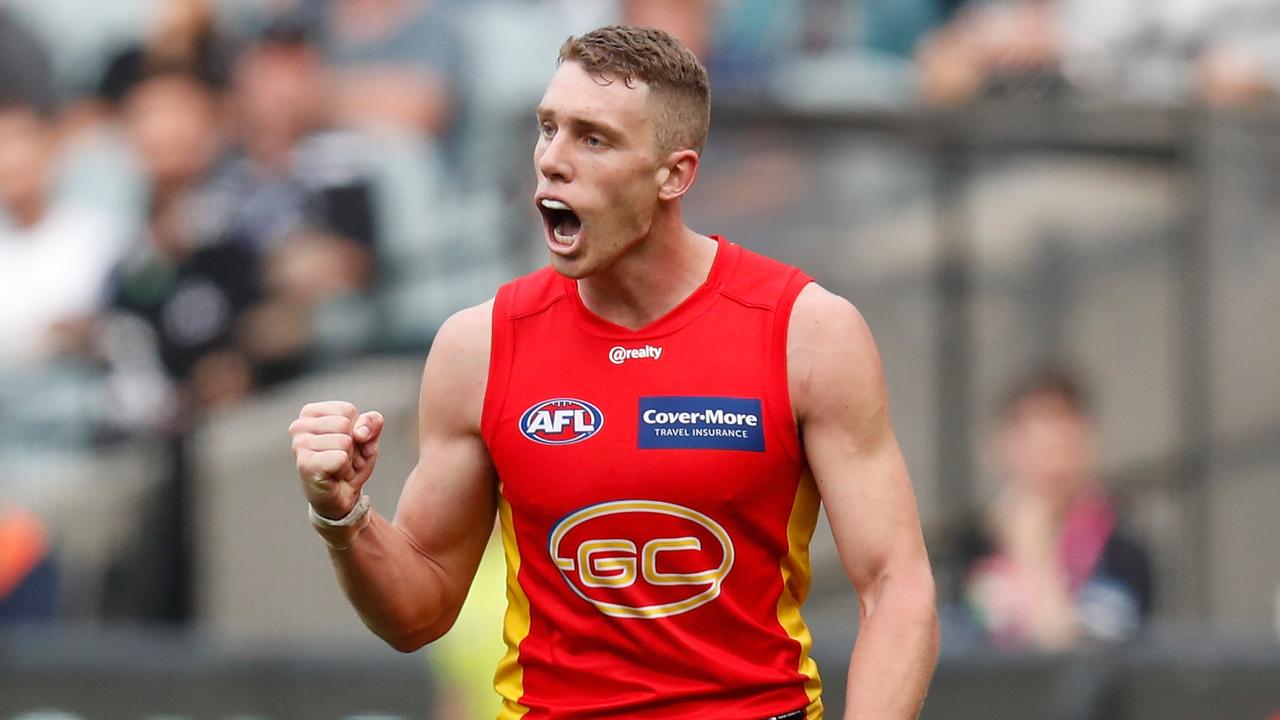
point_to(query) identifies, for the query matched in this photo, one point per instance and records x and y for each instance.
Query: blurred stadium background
(216, 210)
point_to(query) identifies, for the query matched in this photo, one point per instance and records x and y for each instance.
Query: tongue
(569, 224)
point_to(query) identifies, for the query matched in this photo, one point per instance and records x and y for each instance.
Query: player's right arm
(407, 578)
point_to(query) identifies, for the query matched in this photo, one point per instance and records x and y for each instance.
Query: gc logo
(642, 558)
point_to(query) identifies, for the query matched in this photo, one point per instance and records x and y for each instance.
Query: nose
(549, 158)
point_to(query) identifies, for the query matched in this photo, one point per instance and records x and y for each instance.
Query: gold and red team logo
(642, 558)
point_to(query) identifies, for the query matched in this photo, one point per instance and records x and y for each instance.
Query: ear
(676, 174)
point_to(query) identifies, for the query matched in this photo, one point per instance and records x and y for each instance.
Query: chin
(573, 268)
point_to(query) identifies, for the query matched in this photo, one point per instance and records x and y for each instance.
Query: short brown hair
(676, 78)
(1054, 381)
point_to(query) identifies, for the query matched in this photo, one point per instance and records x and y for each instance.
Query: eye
(594, 141)
(547, 130)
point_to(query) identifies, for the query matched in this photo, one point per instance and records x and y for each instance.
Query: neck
(654, 276)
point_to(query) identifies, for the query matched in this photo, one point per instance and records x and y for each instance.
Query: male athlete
(655, 418)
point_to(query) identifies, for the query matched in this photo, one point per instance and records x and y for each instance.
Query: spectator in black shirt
(252, 226)
(172, 333)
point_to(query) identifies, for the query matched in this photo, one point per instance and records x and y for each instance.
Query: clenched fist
(336, 449)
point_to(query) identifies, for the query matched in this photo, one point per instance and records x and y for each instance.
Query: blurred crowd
(200, 199)
(179, 223)
(179, 215)
(1223, 52)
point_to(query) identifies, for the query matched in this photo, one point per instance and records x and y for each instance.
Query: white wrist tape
(351, 518)
(340, 533)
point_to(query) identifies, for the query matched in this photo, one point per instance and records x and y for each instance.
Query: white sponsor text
(619, 354)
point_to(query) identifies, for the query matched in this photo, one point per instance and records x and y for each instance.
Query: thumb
(368, 427)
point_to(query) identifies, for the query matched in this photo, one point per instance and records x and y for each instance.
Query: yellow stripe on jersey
(795, 587)
(509, 679)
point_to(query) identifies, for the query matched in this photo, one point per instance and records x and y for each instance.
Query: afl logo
(561, 421)
(642, 558)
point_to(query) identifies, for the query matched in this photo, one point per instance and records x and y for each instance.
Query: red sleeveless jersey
(654, 507)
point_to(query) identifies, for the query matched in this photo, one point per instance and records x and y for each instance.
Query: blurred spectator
(251, 228)
(166, 36)
(54, 256)
(1055, 569)
(295, 191)
(178, 297)
(182, 35)
(1224, 51)
(293, 181)
(396, 63)
(28, 576)
(991, 48)
(25, 72)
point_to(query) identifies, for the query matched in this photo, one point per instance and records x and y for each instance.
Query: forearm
(399, 592)
(896, 651)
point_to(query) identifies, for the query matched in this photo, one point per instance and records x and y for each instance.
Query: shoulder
(825, 325)
(818, 311)
(457, 367)
(464, 336)
(833, 366)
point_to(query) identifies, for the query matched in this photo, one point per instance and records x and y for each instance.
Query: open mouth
(563, 224)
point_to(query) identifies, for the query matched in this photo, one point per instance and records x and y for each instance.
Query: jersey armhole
(500, 341)
(779, 382)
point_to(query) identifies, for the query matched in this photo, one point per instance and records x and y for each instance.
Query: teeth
(554, 204)
(562, 239)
